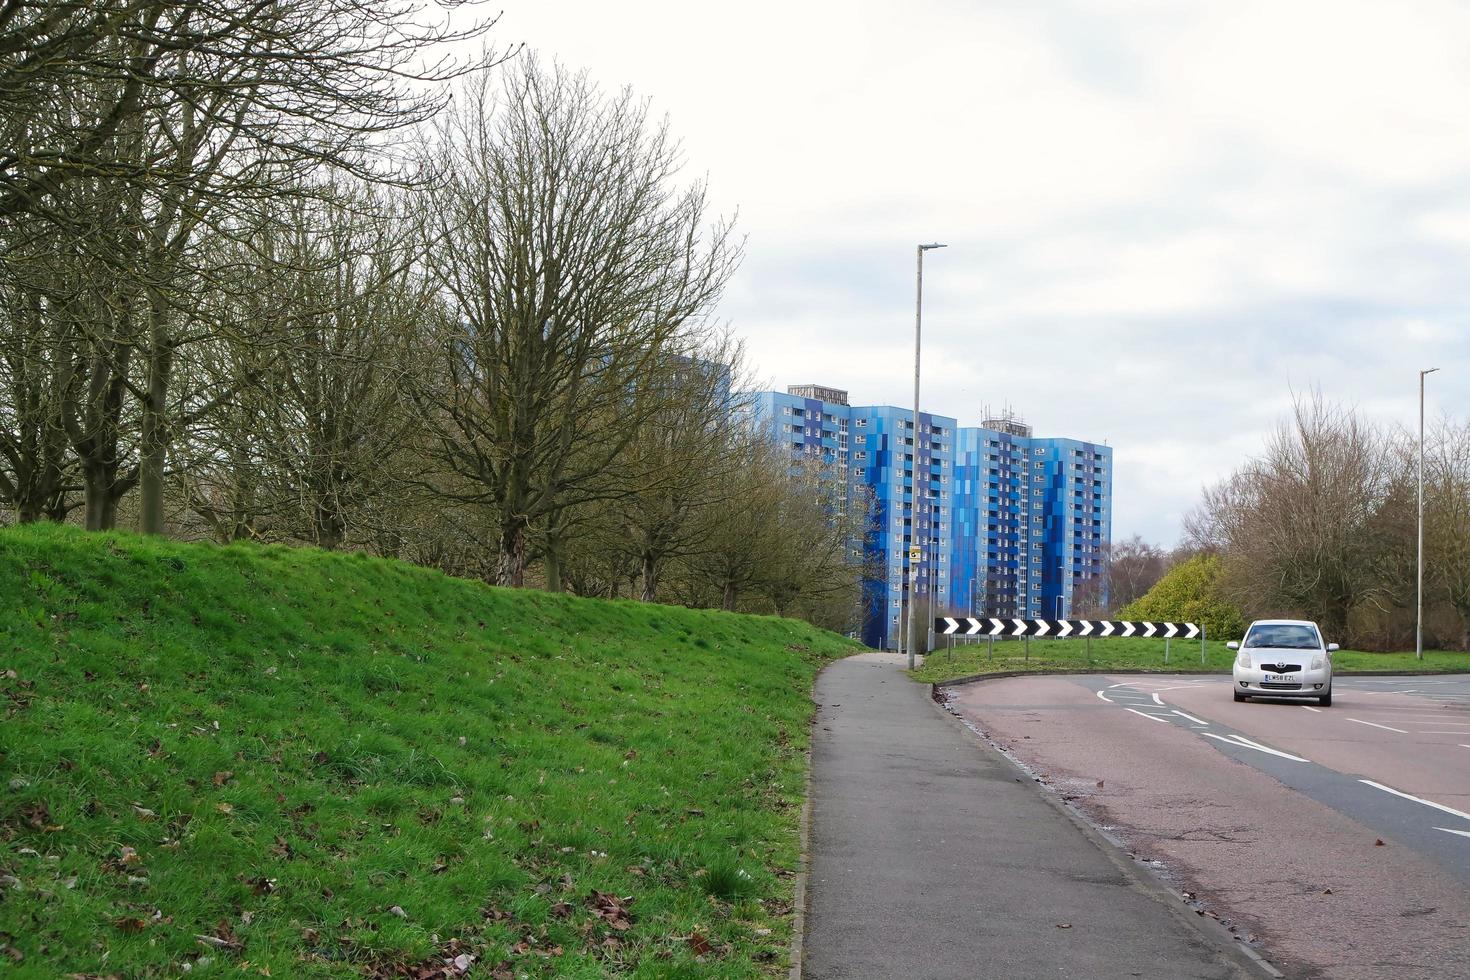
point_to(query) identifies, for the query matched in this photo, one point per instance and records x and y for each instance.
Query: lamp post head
(1421, 373)
(925, 248)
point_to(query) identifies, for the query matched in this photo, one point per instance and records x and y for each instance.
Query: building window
(860, 454)
(861, 423)
(1041, 452)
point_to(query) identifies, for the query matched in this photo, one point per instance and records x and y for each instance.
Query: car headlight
(1244, 660)
(1317, 662)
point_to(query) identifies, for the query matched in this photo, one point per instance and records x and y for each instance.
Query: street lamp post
(910, 578)
(1419, 591)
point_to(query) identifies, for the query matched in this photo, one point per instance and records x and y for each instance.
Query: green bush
(1190, 593)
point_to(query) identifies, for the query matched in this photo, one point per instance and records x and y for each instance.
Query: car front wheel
(1238, 696)
(1325, 700)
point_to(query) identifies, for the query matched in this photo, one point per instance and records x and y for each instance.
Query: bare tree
(1300, 525)
(1447, 519)
(572, 268)
(1133, 567)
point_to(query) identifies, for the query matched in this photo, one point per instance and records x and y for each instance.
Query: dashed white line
(1437, 806)
(1376, 725)
(1197, 721)
(1310, 708)
(1147, 715)
(1242, 742)
(1462, 833)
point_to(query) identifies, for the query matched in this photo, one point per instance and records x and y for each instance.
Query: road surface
(1336, 839)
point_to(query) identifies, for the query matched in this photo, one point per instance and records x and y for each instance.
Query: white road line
(1242, 742)
(1310, 708)
(1463, 746)
(1124, 684)
(1105, 697)
(1437, 806)
(1376, 725)
(1462, 833)
(1147, 715)
(1158, 700)
(1198, 721)
(1460, 732)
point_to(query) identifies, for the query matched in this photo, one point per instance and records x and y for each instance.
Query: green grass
(1114, 653)
(330, 765)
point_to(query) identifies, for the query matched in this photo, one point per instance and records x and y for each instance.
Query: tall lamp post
(1419, 591)
(910, 579)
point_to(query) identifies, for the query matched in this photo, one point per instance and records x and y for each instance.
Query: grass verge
(1114, 653)
(285, 762)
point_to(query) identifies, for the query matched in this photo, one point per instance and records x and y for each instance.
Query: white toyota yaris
(1283, 658)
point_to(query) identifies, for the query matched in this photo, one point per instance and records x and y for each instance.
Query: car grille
(1280, 668)
(1278, 686)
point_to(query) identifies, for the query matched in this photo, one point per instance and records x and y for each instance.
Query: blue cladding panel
(1010, 525)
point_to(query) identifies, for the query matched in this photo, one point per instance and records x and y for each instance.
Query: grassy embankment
(292, 763)
(1114, 653)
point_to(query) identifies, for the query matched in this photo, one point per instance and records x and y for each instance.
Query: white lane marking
(1242, 742)
(1310, 708)
(1147, 715)
(1198, 721)
(1376, 725)
(1105, 697)
(1437, 806)
(1462, 833)
(1158, 700)
(1460, 732)
(1463, 746)
(1124, 684)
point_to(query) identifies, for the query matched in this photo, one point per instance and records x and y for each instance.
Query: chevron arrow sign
(967, 626)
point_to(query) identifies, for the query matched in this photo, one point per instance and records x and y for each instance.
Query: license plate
(1279, 678)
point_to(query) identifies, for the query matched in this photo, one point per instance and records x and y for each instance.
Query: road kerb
(1210, 930)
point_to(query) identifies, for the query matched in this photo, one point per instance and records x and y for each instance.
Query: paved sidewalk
(930, 859)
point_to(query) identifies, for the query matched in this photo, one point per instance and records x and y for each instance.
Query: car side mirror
(1232, 645)
(1333, 646)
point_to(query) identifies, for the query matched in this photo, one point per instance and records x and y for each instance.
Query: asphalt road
(1338, 839)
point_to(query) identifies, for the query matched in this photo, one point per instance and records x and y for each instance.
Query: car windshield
(1283, 637)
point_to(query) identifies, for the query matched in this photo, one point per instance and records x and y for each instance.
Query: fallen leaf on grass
(699, 944)
(222, 777)
(561, 910)
(223, 938)
(130, 923)
(611, 909)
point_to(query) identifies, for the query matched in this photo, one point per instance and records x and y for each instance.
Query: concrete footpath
(931, 856)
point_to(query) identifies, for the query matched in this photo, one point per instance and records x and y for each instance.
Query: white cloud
(1162, 217)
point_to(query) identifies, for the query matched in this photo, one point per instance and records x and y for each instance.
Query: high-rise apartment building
(1007, 524)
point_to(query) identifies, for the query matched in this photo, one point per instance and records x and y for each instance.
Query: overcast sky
(1162, 217)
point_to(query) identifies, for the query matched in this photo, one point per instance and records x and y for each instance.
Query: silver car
(1283, 658)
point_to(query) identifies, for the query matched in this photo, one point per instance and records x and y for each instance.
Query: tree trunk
(153, 448)
(730, 595)
(101, 505)
(552, 562)
(650, 578)
(510, 564)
